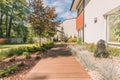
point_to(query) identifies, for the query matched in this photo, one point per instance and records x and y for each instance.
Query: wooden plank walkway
(59, 67)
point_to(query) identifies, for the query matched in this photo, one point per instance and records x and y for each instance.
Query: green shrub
(18, 51)
(43, 49)
(30, 40)
(26, 53)
(8, 70)
(11, 52)
(3, 54)
(33, 48)
(79, 42)
(46, 46)
(30, 49)
(72, 40)
(15, 51)
(90, 47)
(65, 39)
(114, 51)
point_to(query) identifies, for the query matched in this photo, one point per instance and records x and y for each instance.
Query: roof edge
(75, 4)
(72, 5)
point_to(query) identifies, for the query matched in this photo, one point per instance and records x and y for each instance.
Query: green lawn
(7, 46)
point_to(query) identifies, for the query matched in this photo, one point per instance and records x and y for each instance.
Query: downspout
(106, 29)
(83, 20)
(78, 33)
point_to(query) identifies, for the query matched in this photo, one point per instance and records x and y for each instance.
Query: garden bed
(15, 63)
(98, 68)
(23, 66)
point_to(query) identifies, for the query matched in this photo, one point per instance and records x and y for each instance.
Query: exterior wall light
(95, 20)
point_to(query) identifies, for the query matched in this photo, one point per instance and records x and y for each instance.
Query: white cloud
(68, 15)
(59, 10)
(52, 4)
(61, 7)
(68, 1)
(56, 4)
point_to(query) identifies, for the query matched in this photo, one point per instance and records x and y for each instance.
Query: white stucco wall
(70, 27)
(96, 9)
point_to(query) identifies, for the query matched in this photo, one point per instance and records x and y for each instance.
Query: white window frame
(108, 41)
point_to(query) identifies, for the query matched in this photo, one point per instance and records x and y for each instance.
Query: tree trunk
(9, 28)
(40, 41)
(1, 32)
(6, 22)
(10, 21)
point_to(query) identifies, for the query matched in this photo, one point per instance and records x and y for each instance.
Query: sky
(62, 8)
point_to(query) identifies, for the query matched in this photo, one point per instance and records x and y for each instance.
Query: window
(114, 27)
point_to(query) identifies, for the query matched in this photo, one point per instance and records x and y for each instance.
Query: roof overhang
(112, 11)
(76, 4)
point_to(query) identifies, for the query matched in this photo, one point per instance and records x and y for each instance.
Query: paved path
(58, 64)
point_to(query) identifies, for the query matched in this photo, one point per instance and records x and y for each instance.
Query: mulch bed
(23, 69)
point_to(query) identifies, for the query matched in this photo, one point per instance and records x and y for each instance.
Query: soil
(34, 58)
(26, 65)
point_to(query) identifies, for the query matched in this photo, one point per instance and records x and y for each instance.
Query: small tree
(42, 19)
(62, 34)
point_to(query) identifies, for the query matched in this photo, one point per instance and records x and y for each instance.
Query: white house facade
(69, 27)
(101, 20)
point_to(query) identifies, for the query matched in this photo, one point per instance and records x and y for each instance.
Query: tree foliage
(13, 16)
(42, 19)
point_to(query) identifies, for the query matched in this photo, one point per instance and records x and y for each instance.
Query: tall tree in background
(2, 3)
(42, 18)
(12, 14)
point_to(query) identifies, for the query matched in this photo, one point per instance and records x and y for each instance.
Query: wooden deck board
(58, 68)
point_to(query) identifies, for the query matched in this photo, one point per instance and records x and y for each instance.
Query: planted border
(18, 51)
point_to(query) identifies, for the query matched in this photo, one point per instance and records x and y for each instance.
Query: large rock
(101, 50)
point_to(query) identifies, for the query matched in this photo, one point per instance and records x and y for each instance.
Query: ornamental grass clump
(27, 55)
(108, 70)
(114, 51)
(86, 60)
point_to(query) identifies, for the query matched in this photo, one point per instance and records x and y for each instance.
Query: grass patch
(6, 46)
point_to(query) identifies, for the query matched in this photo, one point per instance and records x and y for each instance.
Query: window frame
(108, 31)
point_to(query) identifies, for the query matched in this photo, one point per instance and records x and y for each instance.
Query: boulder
(101, 50)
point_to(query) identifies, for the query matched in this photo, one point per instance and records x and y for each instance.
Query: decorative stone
(101, 50)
